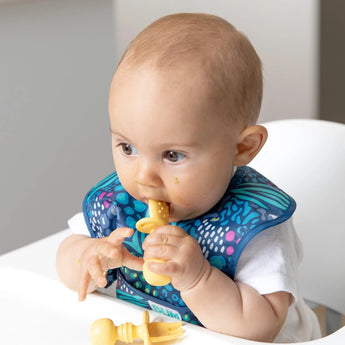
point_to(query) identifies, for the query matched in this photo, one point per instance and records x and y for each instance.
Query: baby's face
(168, 142)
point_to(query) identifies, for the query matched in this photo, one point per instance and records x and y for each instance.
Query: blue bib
(250, 205)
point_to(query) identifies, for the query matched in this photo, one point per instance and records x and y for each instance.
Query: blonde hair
(228, 60)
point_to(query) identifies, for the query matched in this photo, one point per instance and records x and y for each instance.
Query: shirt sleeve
(78, 225)
(270, 261)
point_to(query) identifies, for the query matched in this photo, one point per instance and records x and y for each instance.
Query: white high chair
(306, 158)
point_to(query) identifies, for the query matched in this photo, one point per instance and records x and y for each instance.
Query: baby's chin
(175, 216)
(178, 216)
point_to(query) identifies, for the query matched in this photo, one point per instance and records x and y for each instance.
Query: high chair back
(306, 158)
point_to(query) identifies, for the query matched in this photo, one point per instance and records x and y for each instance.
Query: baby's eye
(173, 156)
(128, 149)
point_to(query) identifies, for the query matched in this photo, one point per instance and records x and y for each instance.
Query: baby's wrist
(200, 279)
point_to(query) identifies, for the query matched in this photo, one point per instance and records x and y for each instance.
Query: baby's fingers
(107, 250)
(118, 236)
(96, 272)
(83, 285)
(131, 261)
(91, 273)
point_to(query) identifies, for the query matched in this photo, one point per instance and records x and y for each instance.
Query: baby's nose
(148, 175)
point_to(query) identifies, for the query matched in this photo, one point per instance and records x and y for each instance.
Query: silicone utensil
(104, 332)
(159, 215)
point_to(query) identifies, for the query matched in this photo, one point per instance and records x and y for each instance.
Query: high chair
(306, 158)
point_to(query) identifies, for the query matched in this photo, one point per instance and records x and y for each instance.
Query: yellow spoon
(159, 215)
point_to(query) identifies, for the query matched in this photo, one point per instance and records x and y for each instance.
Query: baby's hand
(104, 254)
(185, 263)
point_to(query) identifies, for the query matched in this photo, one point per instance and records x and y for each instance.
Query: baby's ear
(249, 143)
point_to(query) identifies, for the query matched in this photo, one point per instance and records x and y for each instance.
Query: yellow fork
(104, 332)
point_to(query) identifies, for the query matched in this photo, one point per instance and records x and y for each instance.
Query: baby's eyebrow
(172, 144)
(113, 132)
(118, 135)
(181, 145)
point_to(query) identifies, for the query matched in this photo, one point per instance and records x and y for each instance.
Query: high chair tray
(38, 310)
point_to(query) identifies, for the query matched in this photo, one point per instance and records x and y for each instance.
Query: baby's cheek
(127, 180)
(188, 195)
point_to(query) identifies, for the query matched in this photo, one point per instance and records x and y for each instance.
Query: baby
(183, 106)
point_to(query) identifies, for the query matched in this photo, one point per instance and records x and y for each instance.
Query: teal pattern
(250, 205)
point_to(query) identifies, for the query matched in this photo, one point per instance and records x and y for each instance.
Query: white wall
(56, 63)
(284, 33)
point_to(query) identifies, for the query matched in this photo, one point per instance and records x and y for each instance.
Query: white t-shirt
(269, 263)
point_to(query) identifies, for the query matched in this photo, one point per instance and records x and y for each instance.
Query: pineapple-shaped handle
(105, 332)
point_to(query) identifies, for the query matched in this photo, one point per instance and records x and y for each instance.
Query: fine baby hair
(224, 55)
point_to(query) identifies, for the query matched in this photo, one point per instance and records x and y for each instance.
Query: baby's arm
(81, 260)
(220, 303)
(235, 308)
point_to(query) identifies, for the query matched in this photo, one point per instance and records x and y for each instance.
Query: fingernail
(101, 282)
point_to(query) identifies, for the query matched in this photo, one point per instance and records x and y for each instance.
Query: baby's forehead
(191, 84)
(182, 79)
(179, 87)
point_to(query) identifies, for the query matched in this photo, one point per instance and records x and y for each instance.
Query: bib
(250, 205)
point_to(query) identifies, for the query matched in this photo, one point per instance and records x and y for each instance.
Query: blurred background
(57, 58)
